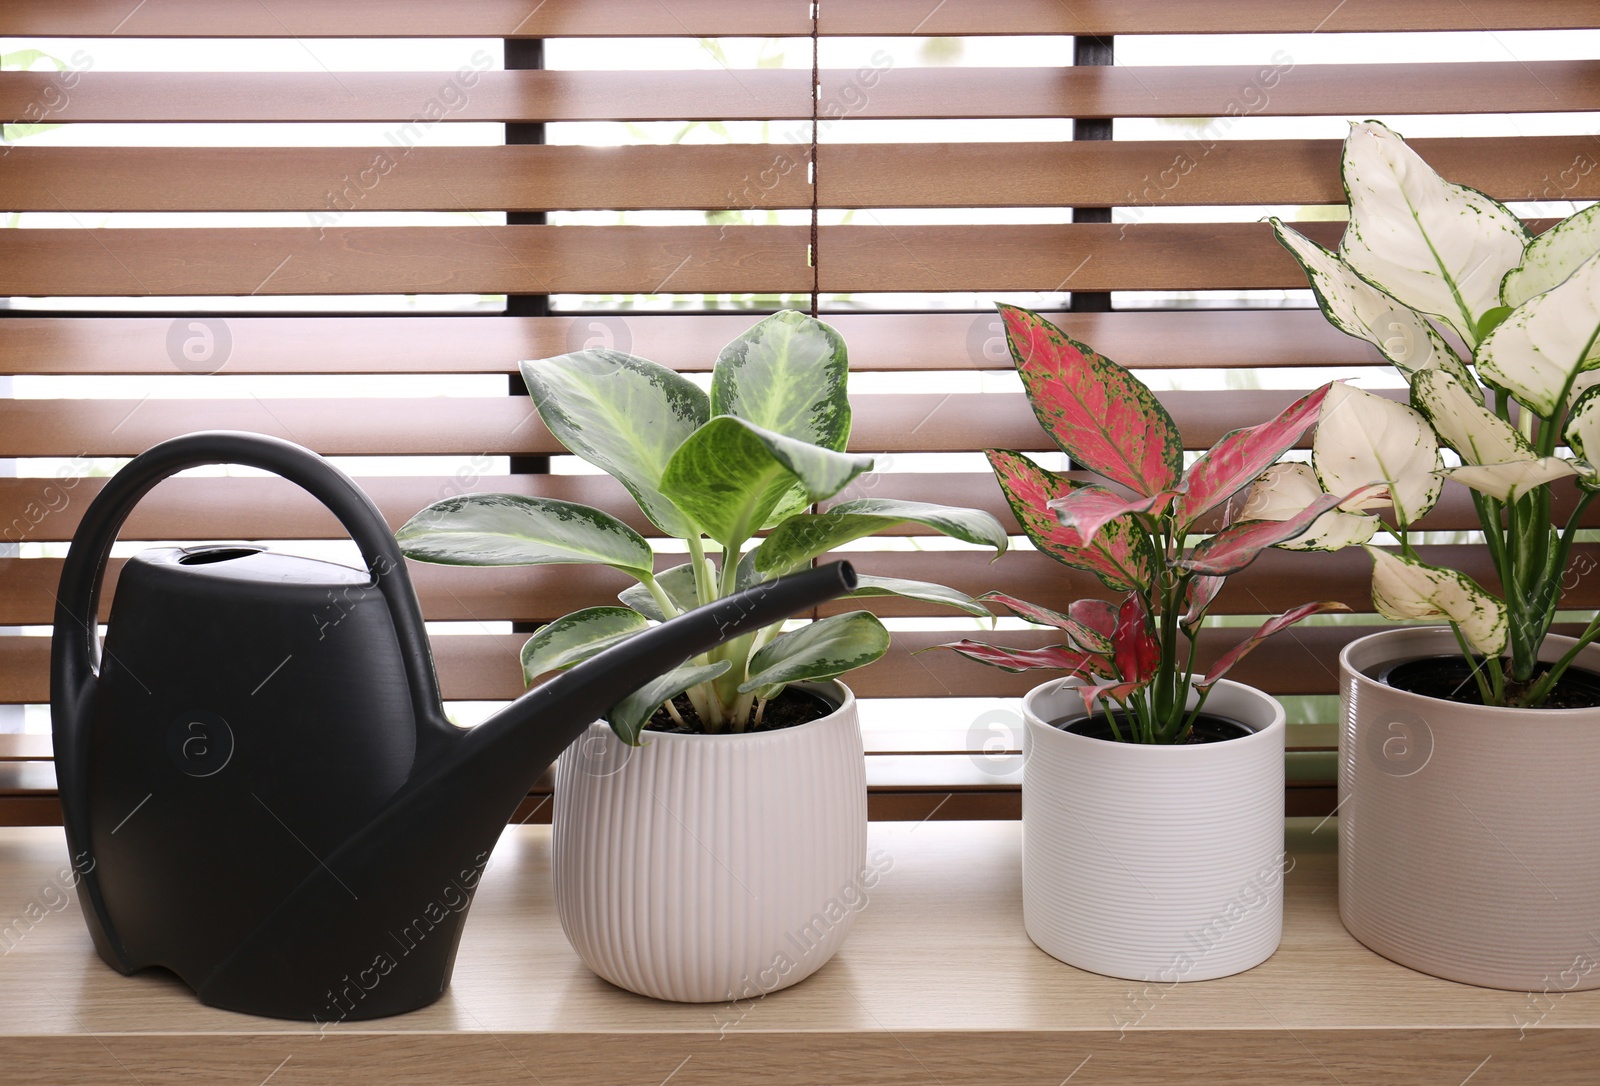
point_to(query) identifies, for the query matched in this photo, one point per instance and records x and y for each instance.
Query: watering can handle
(75, 647)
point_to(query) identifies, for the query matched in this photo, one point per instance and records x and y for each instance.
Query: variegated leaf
(925, 591)
(1552, 256)
(1435, 246)
(624, 415)
(1117, 693)
(1510, 481)
(1459, 417)
(823, 649)
(1285, 489)
(629, 716)
(1363, 439)
(677, 583)
(1235, 461)
(1583, 428)
(1264, 631)
(1120, 555)
(787, 374)
(519, 530)
(1056, 657)
(1538, 351)
(1094, 625)
(1197, 598)
(574, 638)
(1236, 546)
(803, 537)
(1359, 309)
(1087, 509)
(1406, 588)
(1094, 410)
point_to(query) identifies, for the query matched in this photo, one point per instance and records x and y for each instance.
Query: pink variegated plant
(1134, 535)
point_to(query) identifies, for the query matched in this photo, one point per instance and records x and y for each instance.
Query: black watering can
(258, 775)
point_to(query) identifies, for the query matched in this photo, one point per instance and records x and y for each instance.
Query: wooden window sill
(937, 983)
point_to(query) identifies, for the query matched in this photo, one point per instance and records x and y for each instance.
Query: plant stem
(663, 601)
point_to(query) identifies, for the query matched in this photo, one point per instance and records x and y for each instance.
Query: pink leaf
(1090, 508)
(1058, 657)
(1135, 649)
(1031, 612)
(1120, 555)
(1234, 548)
(1201, 591)
(1235, 461)
(1097, 412)
(1094, 624)
(1115, 692)
(1267, 629)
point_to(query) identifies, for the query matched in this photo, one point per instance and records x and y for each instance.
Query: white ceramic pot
(1154, 863)
(1469, 836)
(705, 868)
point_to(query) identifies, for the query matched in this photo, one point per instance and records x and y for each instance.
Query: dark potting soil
(1449, 678)
(1208, 728)
(789, 709)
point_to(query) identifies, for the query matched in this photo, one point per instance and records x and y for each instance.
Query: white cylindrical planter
(705, 868)
(1154, 863)
(1469, 836)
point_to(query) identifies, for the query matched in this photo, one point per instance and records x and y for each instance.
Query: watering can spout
(559, 710)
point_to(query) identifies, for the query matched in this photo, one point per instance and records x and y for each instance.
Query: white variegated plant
(754, 455)
(1424, 265)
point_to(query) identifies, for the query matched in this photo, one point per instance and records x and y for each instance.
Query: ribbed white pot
(1469, 836)
(705, 868)
(1154, 863)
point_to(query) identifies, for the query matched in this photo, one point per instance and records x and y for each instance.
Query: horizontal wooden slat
(1200, 339)
(1277, 581)
(647, 259)
(761, 94)
(47, 509)
(710, 18)
(328, 182)
(506, 425)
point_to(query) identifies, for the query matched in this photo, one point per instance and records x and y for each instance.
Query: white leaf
(1461, 420)
(1553, 255)
(1283, 490)
(1435, 246)
(1510, 481)
(1537, 353)
(1405, 588)
(1363, 439)
(1357, 308)
(1583, 425)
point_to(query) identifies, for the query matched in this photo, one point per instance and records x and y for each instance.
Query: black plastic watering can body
(258, 777)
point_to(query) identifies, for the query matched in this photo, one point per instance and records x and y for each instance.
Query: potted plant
(1458, 739)
(1152, 796)
(708, 832)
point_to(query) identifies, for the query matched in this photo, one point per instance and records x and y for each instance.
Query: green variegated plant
(1426, 265)
(754, 455)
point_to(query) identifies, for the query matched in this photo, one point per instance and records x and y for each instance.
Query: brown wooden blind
(140, 214)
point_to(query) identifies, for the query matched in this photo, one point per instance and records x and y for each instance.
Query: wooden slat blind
(112, 221)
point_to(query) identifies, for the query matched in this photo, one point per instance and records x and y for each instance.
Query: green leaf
(802, 538)
(517, 530)
(1362, 438)
(625, 415)
(1553, 255)
(1437, 247)
(1537, 353)
(1359, 309)
(730, 475)
(574, 638)
(677, 583)
(926, 591)
(629, 716)
(1406, 588)
(787, 375)
(824, 649)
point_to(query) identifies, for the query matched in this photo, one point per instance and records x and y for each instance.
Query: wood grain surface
(937, 983)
